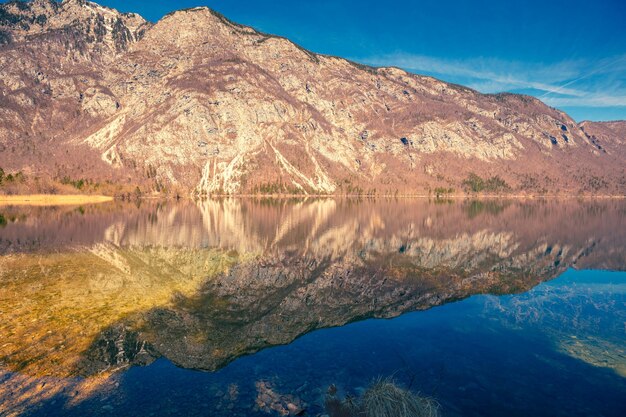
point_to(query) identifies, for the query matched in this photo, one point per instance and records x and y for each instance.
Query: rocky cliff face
(198, 103)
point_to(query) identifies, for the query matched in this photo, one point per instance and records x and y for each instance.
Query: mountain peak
(204, 14)
(205, 11)
(89, 22)
(194, 27)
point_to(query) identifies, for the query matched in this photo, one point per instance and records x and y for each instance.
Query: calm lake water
(256, 307)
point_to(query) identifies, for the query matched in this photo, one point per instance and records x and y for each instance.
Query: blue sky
(570, 53)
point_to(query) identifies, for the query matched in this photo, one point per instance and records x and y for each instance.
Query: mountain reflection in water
(89, 292)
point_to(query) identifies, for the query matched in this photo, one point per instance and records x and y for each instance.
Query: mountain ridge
(195, 103)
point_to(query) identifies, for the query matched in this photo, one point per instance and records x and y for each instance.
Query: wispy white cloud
(594, 101)
(599, 83)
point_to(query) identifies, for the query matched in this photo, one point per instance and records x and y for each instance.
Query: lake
(265, 307)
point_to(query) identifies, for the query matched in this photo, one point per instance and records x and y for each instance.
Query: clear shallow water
(210, 309)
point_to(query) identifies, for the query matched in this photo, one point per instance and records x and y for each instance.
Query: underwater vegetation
(383, 398)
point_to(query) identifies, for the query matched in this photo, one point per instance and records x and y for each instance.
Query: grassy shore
(51, 200)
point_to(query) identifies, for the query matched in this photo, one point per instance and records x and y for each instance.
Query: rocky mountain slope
(198, 104)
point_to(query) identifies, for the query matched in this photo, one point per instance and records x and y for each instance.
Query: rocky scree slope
(199, 104)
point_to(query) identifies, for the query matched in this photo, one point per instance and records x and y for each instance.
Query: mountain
(198, 104)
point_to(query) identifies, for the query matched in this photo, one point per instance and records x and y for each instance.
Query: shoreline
(417, 196)
(52, 199)
(79, 199)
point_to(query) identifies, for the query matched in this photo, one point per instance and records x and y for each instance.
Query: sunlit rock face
(200, 104)
(204, 283)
